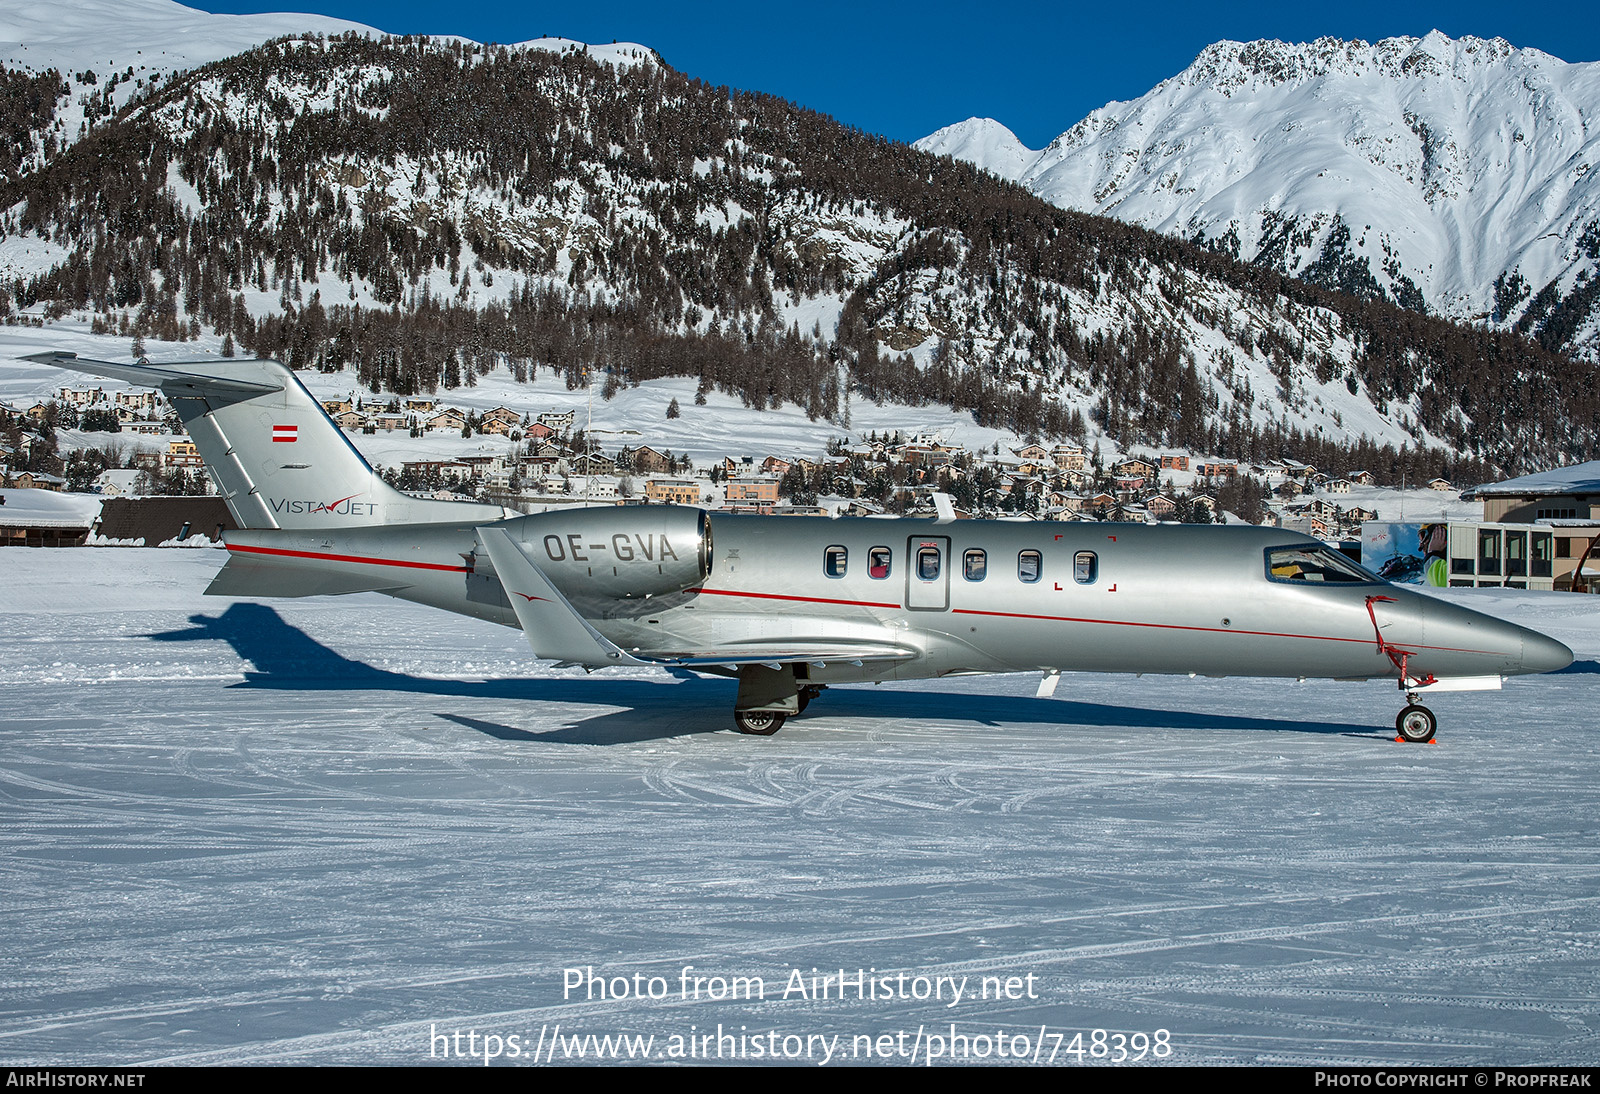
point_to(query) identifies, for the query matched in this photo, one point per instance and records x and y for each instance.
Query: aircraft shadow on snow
(288, 659)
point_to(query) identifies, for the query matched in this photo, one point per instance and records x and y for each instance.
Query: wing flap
(798, 650)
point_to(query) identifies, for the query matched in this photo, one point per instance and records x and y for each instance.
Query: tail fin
(277, 457)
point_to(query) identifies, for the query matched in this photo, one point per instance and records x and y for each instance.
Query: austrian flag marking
(284, 433)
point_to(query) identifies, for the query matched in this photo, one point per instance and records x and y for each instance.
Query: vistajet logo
(344, 507)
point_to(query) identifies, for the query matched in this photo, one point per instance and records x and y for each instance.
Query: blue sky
(904, 70)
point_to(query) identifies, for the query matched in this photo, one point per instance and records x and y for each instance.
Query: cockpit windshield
(1315, 562)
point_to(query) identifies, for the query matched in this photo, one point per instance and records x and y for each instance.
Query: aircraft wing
(556, 630)
(552, 625)
(775, 654)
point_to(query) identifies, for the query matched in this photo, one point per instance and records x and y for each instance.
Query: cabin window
(835, 560)
(975, 565)
(1029, 566)
(878, 563)
(928, 562)
(1313, 562)
(1085, 567)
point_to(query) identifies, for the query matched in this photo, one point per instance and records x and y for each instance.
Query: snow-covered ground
(324, 830)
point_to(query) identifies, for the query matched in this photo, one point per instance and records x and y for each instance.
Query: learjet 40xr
(790, 605)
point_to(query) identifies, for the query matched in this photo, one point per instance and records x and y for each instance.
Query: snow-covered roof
(1580, 478)
(48, 509)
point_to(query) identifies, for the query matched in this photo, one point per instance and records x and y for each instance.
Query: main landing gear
(762, 723)
(768, 719)
(1416, 723)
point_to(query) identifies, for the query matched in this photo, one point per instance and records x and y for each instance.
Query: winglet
(552, 625)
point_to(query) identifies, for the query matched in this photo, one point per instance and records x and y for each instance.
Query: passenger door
(928, 573)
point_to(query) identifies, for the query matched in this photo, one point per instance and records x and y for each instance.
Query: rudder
(276, 456)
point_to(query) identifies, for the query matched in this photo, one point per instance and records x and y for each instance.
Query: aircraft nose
(1541, 653)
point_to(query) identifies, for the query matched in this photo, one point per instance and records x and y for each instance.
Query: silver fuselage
(1161, 599)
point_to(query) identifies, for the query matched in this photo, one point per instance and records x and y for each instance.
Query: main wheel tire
(1416, 724)
(760, 723)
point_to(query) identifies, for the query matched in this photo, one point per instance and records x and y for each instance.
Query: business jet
(791, 605)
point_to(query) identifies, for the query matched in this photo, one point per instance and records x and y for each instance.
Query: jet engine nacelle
(622, 552)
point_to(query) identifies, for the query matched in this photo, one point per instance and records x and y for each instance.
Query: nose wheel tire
(761, 723)
(1416, 724)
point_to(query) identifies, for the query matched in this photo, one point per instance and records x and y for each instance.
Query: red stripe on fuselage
(1207, 630)
(1079, 619)
(349, 558)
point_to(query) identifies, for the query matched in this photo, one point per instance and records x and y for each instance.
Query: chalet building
(1161, 507)
(752, 489)
(82, 397)
(31, 519)
(773, 465)
(1069, 457)
(419, 406)
(649, 461)
(538, 431)
(1566, 493)
(673, 491)
(503, 414)
(559, 422)
(335, 407)
(36, 480)
(447, 421)
(1441, 485)
(181, 452)
(1173, 462)
(496, 427)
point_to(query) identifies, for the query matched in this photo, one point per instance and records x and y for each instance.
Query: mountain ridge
(1456, 176)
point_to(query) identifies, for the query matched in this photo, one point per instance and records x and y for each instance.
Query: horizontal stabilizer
(173, 377)
(253, 577)
(553, 626)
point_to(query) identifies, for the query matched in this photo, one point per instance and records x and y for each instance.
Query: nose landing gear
(1416, 723)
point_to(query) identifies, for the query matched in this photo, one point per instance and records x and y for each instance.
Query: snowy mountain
(1455, 175)
(422, 212)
